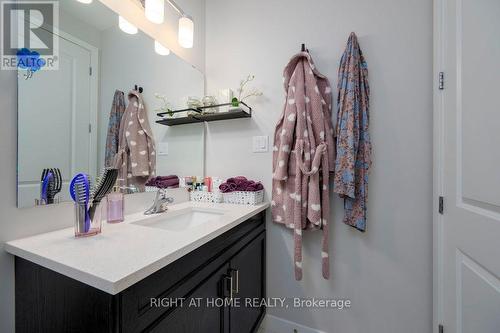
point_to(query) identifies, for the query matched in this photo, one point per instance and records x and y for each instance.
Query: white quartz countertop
(126, 253)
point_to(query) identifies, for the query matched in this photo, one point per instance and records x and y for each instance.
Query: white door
(54, 113)
(467, 166)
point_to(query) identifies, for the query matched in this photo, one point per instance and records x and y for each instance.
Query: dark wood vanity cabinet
(208, 290)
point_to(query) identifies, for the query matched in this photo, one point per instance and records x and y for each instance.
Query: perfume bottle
(116, 206)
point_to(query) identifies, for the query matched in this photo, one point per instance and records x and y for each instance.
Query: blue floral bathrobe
(353, 159)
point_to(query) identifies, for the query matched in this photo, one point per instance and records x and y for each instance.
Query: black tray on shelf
(243, 111)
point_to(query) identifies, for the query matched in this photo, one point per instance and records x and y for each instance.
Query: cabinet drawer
(197, 319)
(182, 277)
(248, 267)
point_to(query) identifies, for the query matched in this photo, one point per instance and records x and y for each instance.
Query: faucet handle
(133, 188)
(160, 203)
(165, 200)
(161, 193)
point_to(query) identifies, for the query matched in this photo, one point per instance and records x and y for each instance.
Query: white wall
(387, 272)
(81, 30)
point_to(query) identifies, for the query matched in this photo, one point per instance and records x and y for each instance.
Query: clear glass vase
(88, 224)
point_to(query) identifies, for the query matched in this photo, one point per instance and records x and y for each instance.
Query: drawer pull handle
(235, 274)
(230, 280)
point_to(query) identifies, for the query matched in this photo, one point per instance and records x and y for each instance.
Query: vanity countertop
(125, 253)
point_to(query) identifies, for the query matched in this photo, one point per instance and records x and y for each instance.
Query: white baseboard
(272, 324)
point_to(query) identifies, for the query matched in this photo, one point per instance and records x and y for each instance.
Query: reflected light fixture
(85, 1)
(186, 32)
(155, 10)
(160, 49)
(186, 26)
(126, 26)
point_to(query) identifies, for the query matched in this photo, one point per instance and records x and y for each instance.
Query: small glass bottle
(116, 206)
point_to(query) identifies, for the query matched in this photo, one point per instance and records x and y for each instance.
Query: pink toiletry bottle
(116, 206)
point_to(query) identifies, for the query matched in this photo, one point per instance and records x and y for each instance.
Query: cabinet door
(248, 273)
(207, 317)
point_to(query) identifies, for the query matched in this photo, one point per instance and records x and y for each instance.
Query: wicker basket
(244, 198)
(202, 196)
(151, 189)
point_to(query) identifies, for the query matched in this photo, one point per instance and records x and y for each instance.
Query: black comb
(104, 186)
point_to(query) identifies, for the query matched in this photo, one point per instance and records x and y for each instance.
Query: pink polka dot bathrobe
(136, 157)
(303, 156)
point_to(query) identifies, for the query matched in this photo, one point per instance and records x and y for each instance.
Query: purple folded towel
(164, 182)
(240, 183)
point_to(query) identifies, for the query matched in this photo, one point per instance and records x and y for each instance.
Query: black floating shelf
(243, 111)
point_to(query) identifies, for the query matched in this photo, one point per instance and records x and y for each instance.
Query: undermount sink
(182, 219)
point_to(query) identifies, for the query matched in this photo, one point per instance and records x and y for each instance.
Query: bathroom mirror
(64, 114)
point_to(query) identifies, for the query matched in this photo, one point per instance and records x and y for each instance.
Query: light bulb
(85, 1)
(160, 49)
(155, 10)
(126, 26)
(186, 32)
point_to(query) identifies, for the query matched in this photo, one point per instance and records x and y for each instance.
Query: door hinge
(441, 205)
(90, 128)
(440, 328)
(90, 71)
(441, 80)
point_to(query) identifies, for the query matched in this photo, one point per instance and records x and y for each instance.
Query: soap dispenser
(116, 205)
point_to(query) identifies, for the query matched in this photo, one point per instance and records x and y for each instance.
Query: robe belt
(320, 150)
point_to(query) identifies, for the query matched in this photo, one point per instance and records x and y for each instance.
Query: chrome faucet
(160, 204)
(132, 189)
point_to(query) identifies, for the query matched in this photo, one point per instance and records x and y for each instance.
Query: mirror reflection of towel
(136, 157)
(171, 181)
(113, 137)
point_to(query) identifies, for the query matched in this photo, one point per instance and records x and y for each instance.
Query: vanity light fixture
(186, 26)
(155, 10)
(85, 1)
(186, 32)
(126, 26)
(160, 49)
